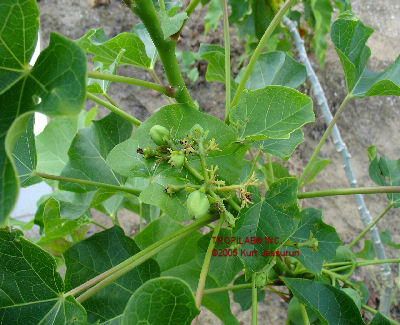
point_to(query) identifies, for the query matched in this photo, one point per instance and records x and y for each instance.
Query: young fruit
(157, 134)
(176, 159)
(197, 204)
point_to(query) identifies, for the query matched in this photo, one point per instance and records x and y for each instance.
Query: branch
(114, 109)
(227, 60)
(89, 183)
(145, 10)
(349, 191)
(259, 49)
(102, 280)
(131, 81)
(342, 149)
(206, 265)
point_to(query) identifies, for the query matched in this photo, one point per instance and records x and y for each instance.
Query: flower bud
(157, 134)
(197, 204)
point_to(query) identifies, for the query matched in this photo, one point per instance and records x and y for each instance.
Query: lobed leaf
(349, 36)
(328, 240)
(332, 305)
(32, 289)
(276, 216)
(107, 51)
(89, 149)
(271, 112)
(165, 300)
(97, 254)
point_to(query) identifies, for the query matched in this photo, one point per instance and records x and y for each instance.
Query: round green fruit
(176, 159)
(157, 134)
(197, 204)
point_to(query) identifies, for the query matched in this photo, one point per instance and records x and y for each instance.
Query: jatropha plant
(221, 211)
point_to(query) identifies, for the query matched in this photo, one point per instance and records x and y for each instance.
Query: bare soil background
(365, 122)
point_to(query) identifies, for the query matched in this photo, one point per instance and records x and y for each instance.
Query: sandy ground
(365, 122)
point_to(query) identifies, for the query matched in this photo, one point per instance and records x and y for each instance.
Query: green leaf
(151, 51)
(243, 296)
(342, 5)
(368, 251)
(332, 305)
(213, 15)
(54, 86)
(264, 12)
(89, 149)
(276, 216)
(349, 36)
(171, 23)
(107, 51)
(322, 10)
(53, 142)
(328, 240)
(279, 170)
(179, 253)
(32, 289)
(97, 254)
(217, 303)
(316, 167)
(385, 172)
(275, 68)
(295, 315)
(216, 66)
(271, 112)
(166, 300)
(125, 160)
(222, 268)
(24, 154)
(281, 148)
(18, 37)
(239, 9)
(98, 86)
(386, 238)
(60, 214)
(380, 319)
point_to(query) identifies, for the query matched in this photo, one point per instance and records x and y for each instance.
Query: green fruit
(353, 295)
(157, 134)
(197, 204)
(176, 159)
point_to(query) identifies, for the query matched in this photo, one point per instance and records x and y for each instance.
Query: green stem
(373, 311)
(114, 109)
(227, 60)
(130, 81)
(140, 215)
(227, 188)
(89, 183)
(270, 168)
(206, 263)
(193, 171)
(162, 4)
(192, 5)
(254, 301)
(228, 288)
(98, 224)
(373, 223)
(339, 277)
(363, 262)
(110, 100)
(145, 10)
(254, 163)
(303, 310)
(350, 191)
(259, 49)
(322, 141)
(99, 282)
(202, 156)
